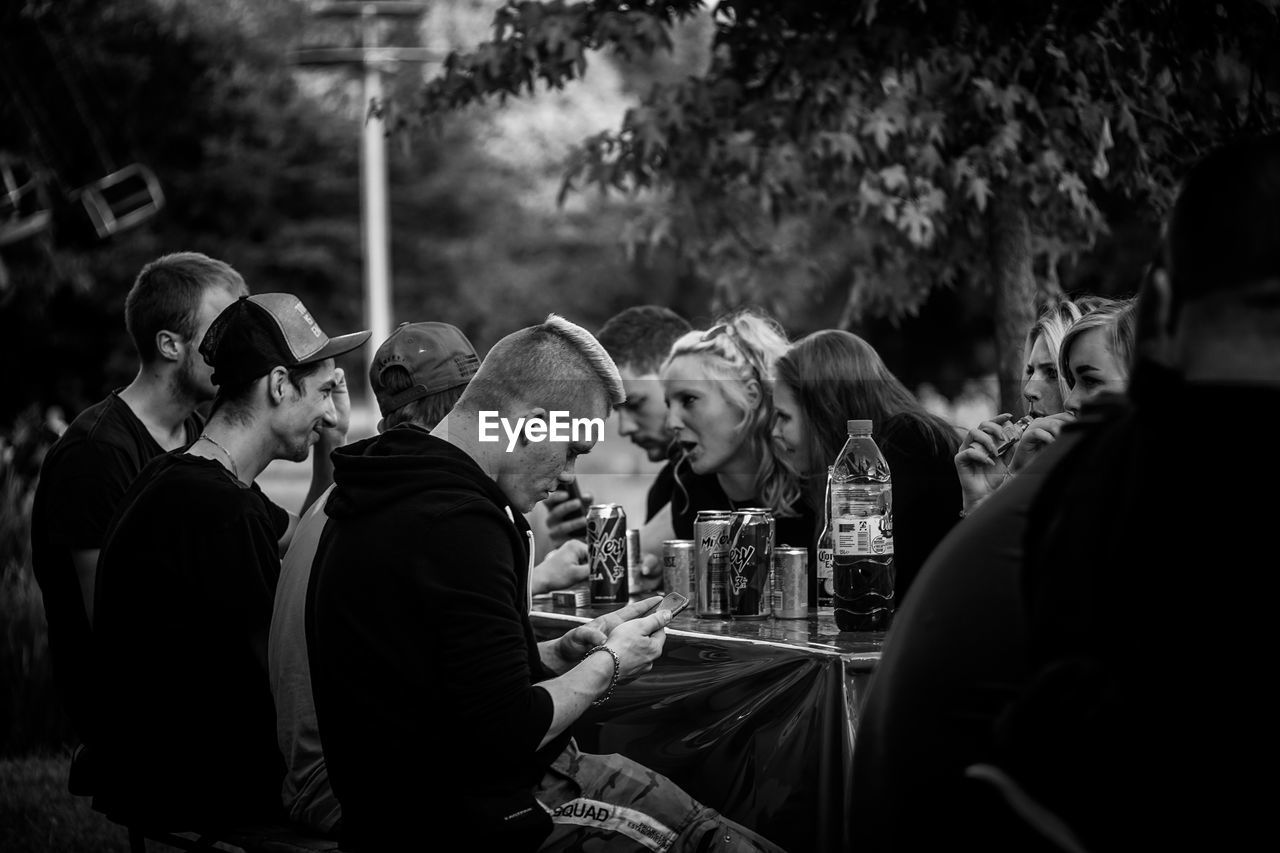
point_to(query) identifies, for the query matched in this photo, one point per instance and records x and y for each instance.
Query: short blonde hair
(549, 365)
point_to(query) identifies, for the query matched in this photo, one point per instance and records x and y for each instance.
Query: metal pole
(373, 162)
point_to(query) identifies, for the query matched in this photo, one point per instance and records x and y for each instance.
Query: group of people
(744, 418)
(370, 669)
(382, 683)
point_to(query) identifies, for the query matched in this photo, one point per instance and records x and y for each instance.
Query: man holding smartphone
(444, 722)
(417, 375)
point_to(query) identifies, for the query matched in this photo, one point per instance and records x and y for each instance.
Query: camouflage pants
(611, 804)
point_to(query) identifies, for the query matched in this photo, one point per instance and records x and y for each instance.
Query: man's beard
(188, 385)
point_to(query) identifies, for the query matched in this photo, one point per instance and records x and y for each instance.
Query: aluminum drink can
(790, 582)
(607, 553)
(711, 562)
(635, 560)
(750, 562)
(678, 561)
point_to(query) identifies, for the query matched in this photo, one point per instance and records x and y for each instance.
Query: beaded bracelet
(617, 668)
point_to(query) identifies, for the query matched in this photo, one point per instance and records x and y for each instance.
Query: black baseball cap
(437, 356)
(257, 333)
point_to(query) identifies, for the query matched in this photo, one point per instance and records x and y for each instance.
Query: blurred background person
(979, 465)
(638, 339)
(1097, 354)
(828, 377)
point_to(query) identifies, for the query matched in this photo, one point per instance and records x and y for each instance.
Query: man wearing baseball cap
(417, 376)
(188, 573)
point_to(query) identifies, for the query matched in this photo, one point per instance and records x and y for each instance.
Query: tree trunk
(1013, 283)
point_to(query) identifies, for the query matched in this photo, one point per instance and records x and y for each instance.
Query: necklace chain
(234, 470)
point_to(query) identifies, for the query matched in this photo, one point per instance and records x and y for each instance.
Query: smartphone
(575, 494)
(673, 601)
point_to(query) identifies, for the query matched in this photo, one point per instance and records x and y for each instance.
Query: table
(753, 717)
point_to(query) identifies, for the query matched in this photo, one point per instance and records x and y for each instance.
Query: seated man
(444, 723)
(416, 375)
(187, 576)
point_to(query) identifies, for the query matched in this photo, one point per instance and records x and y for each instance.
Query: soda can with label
(635, 560)
(607, 553)
(678, 562)
(711, 562)
(790, 582)
(750, 562)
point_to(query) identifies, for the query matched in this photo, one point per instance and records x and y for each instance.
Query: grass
(39, 815)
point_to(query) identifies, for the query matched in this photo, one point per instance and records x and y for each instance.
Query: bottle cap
(859, 427)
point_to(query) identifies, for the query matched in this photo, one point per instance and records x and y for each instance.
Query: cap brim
(339, 345)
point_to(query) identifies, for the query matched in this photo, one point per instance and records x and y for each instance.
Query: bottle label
(825, 558)
(866, 536)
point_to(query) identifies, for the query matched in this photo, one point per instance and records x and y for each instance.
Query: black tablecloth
(754, 718)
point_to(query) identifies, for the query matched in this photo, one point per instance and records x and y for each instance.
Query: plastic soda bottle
(862, 533)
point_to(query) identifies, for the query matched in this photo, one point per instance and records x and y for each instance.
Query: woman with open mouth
(718, 386)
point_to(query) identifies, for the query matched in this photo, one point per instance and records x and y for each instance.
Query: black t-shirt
(185, 588)
(660, 490)
(926, 494)
(82, 481)
(695, 492)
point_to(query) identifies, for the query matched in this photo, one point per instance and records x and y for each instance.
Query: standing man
(86, 473)
(188, 573)
(417, 376)
(638, 340)
(444, 723)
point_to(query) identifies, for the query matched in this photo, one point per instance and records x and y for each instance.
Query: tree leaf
(979, 189)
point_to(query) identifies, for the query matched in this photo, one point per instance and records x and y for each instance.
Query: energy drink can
(711, 562)
(790, 582)
(678, 566)
(607, 553)
(750, 562)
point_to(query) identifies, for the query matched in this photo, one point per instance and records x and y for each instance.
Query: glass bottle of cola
(862, 533)
(821, 586)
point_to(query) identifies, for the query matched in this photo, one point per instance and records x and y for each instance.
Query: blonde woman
(718, 386)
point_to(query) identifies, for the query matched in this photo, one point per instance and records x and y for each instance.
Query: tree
(890, 148)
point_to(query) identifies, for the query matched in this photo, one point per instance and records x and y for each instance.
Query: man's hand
(606, 623)
(638, 643)
(1039, 434)
(562, 568)
(574, 644)
(566, 517)
(650, 574)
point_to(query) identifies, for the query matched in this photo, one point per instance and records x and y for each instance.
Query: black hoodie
(422, 653)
